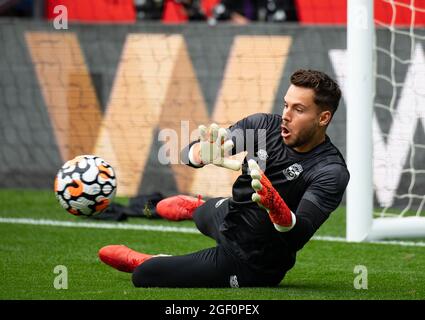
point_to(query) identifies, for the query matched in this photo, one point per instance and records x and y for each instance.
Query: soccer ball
(85, 185)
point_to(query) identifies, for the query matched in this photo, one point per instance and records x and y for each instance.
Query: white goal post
(361, 76)
(360, 32)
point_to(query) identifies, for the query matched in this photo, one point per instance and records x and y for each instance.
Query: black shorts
(212, 267)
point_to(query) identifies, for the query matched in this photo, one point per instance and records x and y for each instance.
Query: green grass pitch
(324, 269)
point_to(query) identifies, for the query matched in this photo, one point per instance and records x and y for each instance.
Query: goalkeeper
(274, 210)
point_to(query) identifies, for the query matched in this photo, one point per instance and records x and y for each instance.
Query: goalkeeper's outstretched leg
(212, 267)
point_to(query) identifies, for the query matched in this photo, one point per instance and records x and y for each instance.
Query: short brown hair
(326, 91)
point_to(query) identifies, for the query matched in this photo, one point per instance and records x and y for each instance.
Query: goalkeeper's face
(303, 122)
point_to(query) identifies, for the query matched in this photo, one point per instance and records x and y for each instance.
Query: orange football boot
(179, 207)
(122, 258)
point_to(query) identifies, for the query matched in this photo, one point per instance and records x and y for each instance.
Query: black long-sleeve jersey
(312, 184)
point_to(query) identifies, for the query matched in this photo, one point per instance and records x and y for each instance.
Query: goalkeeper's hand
(214, 147)
(268, 198)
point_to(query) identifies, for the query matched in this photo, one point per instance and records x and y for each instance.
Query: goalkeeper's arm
(320, 199)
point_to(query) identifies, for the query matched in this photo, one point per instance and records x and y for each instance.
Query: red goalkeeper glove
(268, 198)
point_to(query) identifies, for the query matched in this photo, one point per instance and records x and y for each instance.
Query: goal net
(392, 45)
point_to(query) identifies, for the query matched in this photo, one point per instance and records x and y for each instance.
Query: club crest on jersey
(293, 171)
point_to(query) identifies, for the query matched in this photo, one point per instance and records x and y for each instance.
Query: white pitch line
(160, 228)
(97, 225)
